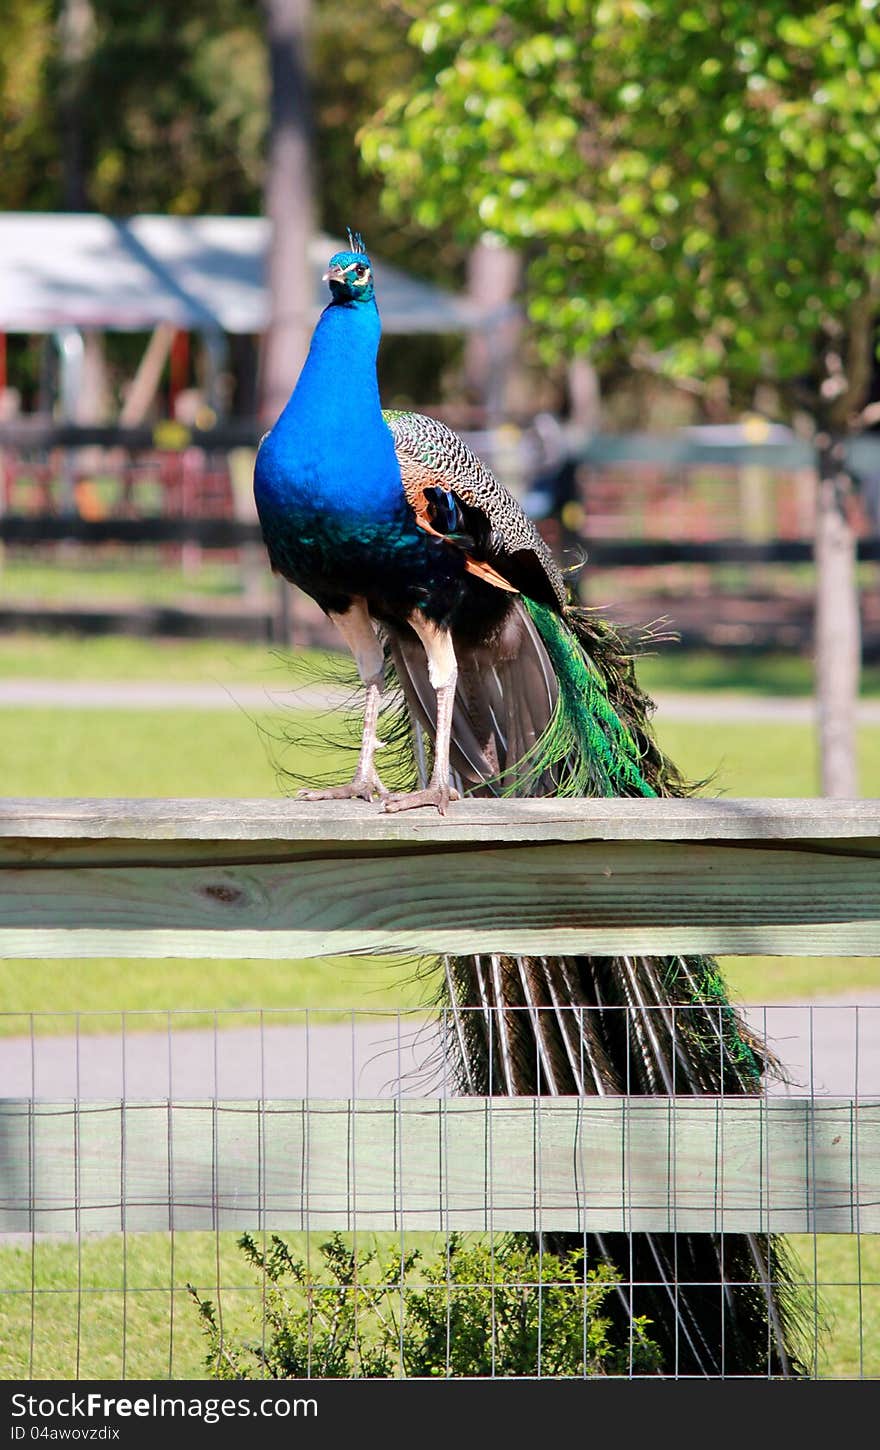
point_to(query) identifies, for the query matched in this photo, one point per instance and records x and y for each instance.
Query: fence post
(837, 625)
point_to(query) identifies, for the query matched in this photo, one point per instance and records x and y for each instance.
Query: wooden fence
(226, 879)
(224, 534)
(215, 515)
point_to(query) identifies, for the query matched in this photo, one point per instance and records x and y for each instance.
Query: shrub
(475, 1310)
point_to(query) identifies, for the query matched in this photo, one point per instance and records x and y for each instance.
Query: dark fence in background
(185, 490)
(685, 446)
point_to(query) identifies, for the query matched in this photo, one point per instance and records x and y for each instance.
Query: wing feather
(501, 542)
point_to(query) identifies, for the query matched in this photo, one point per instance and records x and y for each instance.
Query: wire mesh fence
(314, 1194)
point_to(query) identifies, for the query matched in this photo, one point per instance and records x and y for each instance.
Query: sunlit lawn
(173, 753)
(120, 574)
(672, 668)
(72, 656)
(121, 657)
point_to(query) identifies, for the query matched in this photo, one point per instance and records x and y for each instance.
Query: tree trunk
(289, 205)
(837, 628)
(76, 27)
(584, 396)
(494, 275)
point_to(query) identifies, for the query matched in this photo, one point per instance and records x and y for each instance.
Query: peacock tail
(717, 1304)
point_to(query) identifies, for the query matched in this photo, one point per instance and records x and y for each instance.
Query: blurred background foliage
(693, 188)
(172, 107)
(112, 106)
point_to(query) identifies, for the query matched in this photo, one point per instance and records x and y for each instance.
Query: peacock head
(350, 273)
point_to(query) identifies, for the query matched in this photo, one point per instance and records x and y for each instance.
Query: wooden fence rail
(276, 879)
(230, 533)
(628, 1164)
(254, 878)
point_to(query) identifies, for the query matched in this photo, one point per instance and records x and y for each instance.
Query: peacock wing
(453, 494)
(505, 696)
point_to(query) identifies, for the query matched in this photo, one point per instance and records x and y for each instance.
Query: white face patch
(354, 281)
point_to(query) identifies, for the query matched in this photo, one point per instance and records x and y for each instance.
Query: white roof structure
(90, 271)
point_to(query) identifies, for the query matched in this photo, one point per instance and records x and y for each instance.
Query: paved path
(831, 1046)
(158, 695)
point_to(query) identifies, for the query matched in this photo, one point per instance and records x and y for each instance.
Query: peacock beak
(334, 274)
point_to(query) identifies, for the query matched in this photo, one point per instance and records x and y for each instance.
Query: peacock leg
(357, 630)
(443, 674)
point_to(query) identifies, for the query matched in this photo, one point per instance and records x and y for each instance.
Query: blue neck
(338, 382)
(331, 451)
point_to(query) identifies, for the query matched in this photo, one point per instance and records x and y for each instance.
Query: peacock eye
(360, 270)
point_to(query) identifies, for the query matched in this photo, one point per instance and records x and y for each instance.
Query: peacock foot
(435, 795)
(363, 787)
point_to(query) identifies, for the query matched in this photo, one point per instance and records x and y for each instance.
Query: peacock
(438, 582)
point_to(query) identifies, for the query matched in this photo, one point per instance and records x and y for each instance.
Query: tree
(176, 107)
(76, 24)
(171, 106)
(29, 147)
(289, 203)
(139, 108)
(125, 107)
(696, 190)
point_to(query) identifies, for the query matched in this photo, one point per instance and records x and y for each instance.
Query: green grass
(151, 1330)
(774, 760)
(672, 668)
(122, 657)
(171, 753)
(190, 752)
(133, 753)
(848, 1347)
(72, 656)
(79, 1324)
(47, 994)
(119, 576)
(746, 758)
(799, 979)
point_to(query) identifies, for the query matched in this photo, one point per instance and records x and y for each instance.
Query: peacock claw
(362, 787)
(435, 795)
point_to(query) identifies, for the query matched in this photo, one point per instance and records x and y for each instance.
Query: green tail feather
(592, 748)
(587, 746)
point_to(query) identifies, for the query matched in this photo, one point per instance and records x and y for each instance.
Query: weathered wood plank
(23, 822)
(586, 896)
(606, 1164)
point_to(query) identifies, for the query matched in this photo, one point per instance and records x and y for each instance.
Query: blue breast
(330, 452)
(327, 482)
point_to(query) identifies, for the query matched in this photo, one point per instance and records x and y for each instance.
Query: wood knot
(226, 894)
